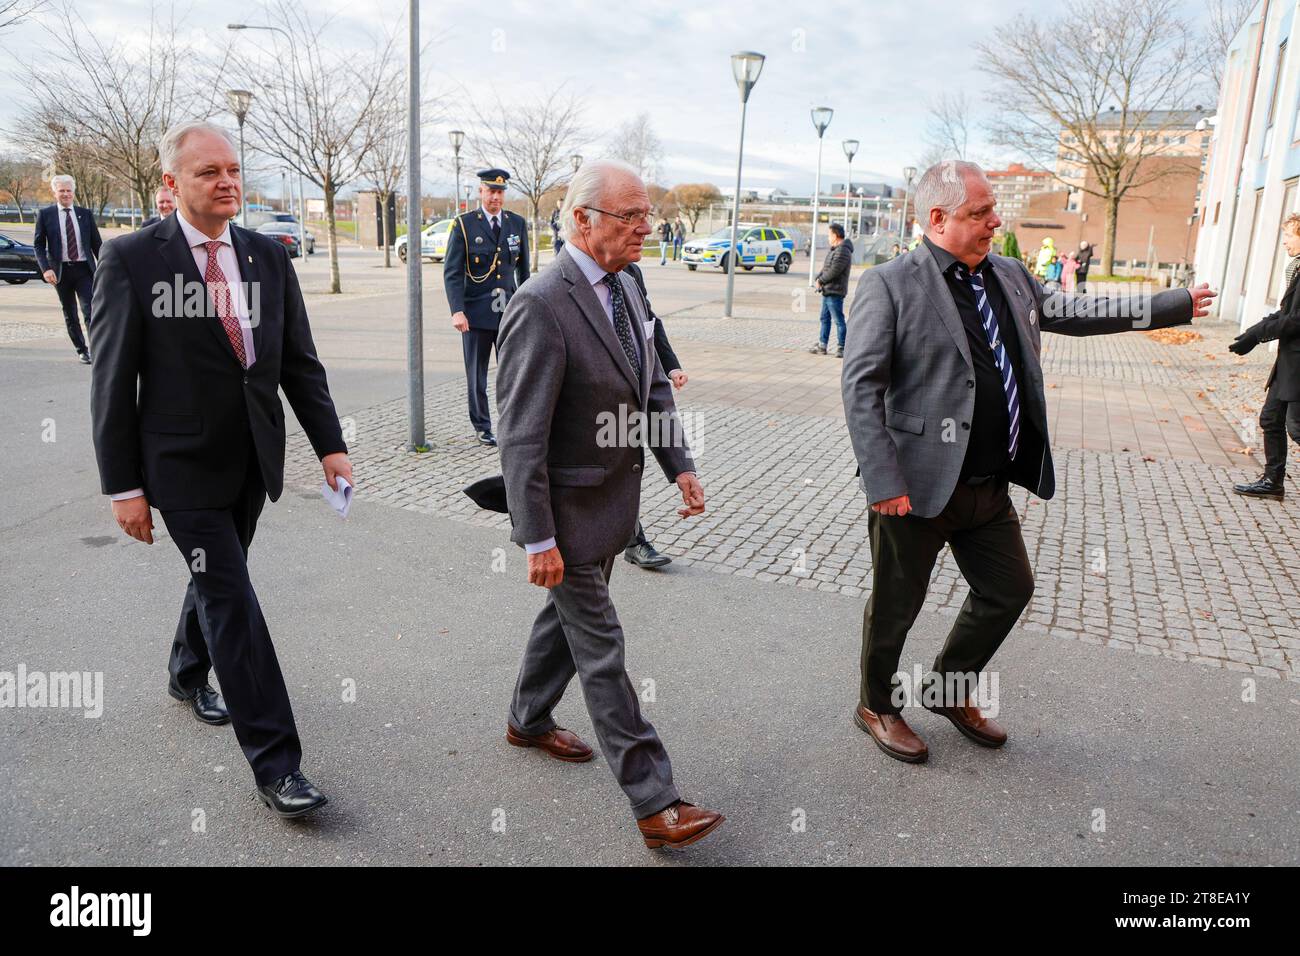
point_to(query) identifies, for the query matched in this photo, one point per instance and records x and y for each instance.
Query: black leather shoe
(644, 555)
(204, 701)
(83, 357)
(293, 795)
(1263, 487)
(487, 438)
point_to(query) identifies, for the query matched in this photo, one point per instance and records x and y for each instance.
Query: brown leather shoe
(559, 743)
(892, 735)
(968, 719)
(678, 825)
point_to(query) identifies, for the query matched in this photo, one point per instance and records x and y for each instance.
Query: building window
(1273, 97)
(1250, 239)
(1276, 273)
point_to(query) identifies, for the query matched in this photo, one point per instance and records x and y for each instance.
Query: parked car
(17, 261)
(433, 241)
(279, 228)
(764, 246)
(288, 237)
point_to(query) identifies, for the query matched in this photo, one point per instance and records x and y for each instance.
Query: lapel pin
(250, 260)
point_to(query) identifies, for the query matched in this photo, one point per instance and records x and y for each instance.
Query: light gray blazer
(908, 379)
(562, 378)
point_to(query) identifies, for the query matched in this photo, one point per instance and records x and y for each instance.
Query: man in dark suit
(164, 204)
(639, 550)
(486, 261)
(1280, 415)
(576, 367)
(944, 401)
(67, 245)
(204, 321)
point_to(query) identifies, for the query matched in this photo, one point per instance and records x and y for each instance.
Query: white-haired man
(943, 397)
(67, 246)
(187, 418)
(576, 352)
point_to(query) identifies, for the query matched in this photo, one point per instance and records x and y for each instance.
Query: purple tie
(74, 254)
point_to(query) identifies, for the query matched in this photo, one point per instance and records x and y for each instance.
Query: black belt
(976, 480)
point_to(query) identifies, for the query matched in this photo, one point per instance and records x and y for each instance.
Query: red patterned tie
(222, 301)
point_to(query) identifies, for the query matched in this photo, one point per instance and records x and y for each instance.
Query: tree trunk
(333, 231)
(1108, 243)
(383, 226)
(537, 239)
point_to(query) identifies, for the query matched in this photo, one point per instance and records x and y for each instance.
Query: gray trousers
(578, 632)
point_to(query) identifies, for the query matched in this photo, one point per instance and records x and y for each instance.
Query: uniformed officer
(486, 261)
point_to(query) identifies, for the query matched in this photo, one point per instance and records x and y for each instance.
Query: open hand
(1202, 299)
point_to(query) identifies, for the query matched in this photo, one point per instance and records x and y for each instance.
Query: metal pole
(243, 175)
(414, 284)
(902, 221)
(848, 192)
(735, 215)
(817, 195)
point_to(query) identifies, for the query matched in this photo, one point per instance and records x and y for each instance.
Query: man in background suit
(486, 261)
(1281, 412)
(204, 441)
(943, 397)
(67, 245)
(575, 356)
(164, 204)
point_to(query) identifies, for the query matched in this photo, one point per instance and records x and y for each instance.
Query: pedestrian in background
(1069, 268)
(164, 204)
(1084, 256)
(665, 239)
(679, 237)
(1281, 412)
(67, 247)
(557, 241)
(833, 284)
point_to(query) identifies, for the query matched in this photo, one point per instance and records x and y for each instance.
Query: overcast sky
(879, 65)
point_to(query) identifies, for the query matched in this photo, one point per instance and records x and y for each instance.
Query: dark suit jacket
(667, 357)
(1284, 325)
(48, 238)
(484, 302)
(172, 409)
(564, 386)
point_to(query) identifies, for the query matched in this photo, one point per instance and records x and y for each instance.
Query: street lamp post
(239, 101)
(576, 161)
(457, 137)
(821, 117)
(415, 439)
(293, 52)
(745, 67)
(909, 174)
(850, 150)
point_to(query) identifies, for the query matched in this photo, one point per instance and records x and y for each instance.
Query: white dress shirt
(229, 263)
(76, 228)
(493, 219)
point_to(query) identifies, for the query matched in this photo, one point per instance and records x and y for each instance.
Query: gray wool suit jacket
(564, 388)
(908, 379)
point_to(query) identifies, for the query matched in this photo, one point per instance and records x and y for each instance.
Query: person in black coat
(1280, 415)
(639, 550)
(197, 325)
(833, 284)
(164, 204)
(67, 246)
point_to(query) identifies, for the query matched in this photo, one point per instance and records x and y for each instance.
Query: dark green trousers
(980, 524)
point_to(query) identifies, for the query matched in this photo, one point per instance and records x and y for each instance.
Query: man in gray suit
(943, 397)
(579, 389)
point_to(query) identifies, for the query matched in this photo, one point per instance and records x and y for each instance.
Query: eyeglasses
(633, 218)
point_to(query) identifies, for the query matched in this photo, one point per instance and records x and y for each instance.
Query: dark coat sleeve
(301, 374)
(453, 268)
(1087, 314)
(93, 240)
(521, 261)
(116, 339)
(667, 357)
(40, 241)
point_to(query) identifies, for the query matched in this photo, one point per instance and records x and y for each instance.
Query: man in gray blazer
(943, 397)
(580, 393)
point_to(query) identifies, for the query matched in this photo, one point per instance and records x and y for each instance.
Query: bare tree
(947, 128)
(119, 95)
(387, 164)
(1099, 86)
(319, 107)
(14, 12)
(636, 144)
(693, 198)
(1226, 18)
(20, 179)
(534, 141)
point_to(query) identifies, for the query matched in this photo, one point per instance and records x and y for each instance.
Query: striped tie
(1000, 356)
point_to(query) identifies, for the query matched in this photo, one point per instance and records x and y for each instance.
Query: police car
(433, 241)
(759, 245)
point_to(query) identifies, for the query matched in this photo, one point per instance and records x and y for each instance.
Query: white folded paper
(340, 500)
